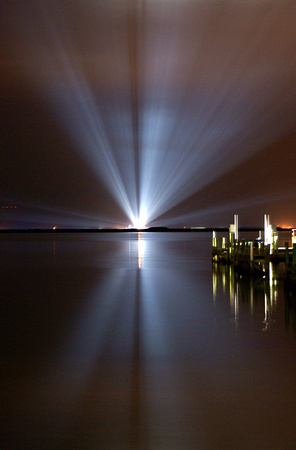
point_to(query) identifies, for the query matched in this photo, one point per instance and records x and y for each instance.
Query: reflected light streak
(100, 324)
(243, 289)
(141, 249)
(86, 339)
(215, 283)
(267, 311)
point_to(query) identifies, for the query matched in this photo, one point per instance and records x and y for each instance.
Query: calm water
(133, 341)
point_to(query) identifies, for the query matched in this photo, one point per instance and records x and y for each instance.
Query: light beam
(155, 119)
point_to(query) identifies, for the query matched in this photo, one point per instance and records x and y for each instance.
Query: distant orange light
(286, 226)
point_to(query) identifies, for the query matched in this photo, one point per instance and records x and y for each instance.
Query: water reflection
(246, 291)
(290, 307)
(141, 249)
(139, 356)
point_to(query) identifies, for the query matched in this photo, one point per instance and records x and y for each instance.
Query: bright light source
(140, 222)
(139, 225)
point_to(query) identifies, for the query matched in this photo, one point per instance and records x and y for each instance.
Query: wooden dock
(254, 257)
(245, 256)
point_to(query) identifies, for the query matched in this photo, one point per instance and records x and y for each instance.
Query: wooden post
(223, 242)
(215, 250)
(294, 261)
(251, 251)
(251, 256)
(286, 257)
(214, 240)
(266, 258)
(230, 248)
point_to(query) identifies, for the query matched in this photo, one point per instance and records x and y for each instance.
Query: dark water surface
(128, 340)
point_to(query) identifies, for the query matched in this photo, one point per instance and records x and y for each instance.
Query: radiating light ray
(243, 205)
(75, 103)
(169, 123)
(90, 134)
(34, 213)
(210, 141)
(189, 170)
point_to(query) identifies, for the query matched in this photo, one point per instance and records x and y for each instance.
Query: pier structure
(254, 257)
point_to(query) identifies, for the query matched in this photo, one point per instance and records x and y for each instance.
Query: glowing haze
(148, 112)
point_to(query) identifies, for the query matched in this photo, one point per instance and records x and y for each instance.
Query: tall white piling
(267, 230)
(236, 226)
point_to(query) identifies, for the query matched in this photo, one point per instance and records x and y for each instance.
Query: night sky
(185, 107)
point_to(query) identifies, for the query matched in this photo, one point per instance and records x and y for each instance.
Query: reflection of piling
(290, 264)
(286, 255)
(244, 289)
(290, 305)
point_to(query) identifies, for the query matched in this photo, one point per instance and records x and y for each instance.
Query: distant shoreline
(130, 230)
